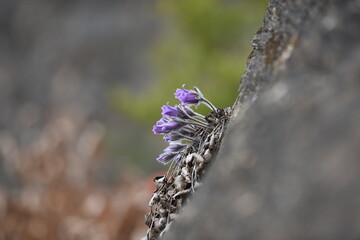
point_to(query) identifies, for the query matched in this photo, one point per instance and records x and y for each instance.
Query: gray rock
(289, 167)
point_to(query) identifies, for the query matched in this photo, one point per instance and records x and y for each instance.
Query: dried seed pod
(148, 220)
(164, 202)
(173, 209)
(207, 155)
(189, 158)
(160, 179)
(212, 142)
(182, 193)
(162, 222)
(185, 171)
(163, 212)
(179, 183)
(156, 225)
(159, 182)
(152, 234)
(200, 167)
(154, 199)
(187, 179)
(198, 158)
(171, 192)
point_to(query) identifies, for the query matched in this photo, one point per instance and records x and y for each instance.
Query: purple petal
(174, 147)
(166, 157)
(160, 122)
(187, 97)
(169, 126)
(162, 127)
(157, 129)
(168, 111)
(173, 136)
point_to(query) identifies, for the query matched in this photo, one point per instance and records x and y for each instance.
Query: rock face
(289, 167)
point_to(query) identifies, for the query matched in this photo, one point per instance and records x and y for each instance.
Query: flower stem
(199, 115)
(198, 124)
(186, 137)
(209, 104)
(197, 120)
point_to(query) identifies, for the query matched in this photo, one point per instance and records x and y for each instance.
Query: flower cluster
(180, 124)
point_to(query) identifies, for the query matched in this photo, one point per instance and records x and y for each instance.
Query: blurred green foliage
(204, 43)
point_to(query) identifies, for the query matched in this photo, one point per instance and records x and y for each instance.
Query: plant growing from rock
(193, 141)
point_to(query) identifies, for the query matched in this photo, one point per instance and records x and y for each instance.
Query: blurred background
(82, 83)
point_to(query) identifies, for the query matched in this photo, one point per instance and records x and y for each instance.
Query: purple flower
(180, 124)
(181, 134)
(166, 157)
(162, 127)
(172, 136)
(174, 147)
(157, 129)
(161, 121)
(169, 126)
(168, 111)
(187, 96)
(171, 152)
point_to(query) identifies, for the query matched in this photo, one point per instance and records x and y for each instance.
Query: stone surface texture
(289, 167)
